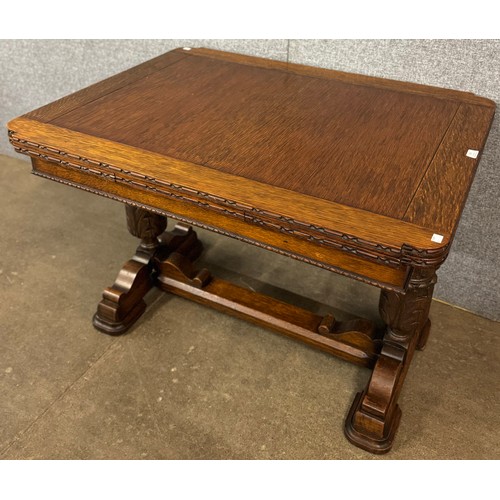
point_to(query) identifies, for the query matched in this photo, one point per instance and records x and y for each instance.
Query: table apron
(389, 277)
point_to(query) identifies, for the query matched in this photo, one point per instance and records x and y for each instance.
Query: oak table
(365, 177)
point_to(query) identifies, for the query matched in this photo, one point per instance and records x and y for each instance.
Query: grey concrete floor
(191, 383)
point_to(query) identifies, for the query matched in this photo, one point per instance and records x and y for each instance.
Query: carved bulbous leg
(374, 416)
(145, 225)
(123, 303)
(407, 316)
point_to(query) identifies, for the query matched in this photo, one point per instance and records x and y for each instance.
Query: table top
(383, 164)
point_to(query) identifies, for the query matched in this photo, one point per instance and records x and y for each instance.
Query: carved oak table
(362, 176)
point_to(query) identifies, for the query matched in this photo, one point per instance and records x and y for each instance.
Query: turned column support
(374, 416)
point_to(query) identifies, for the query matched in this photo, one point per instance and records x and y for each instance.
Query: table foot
(122, 304)
(374, 416)
(119, 327)
(372, 443)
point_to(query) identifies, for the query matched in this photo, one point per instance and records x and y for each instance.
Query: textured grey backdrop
(34, 72)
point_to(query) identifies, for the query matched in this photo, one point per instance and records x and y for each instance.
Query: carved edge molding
(214, 229)
(406, 255)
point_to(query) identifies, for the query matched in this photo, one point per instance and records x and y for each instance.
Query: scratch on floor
(144, 390)
(247, 285)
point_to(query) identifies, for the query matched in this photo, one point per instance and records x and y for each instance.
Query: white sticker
(186, 48)
(472, 153)
(437, 238)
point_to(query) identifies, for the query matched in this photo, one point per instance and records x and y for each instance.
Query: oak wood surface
(287, 319)
(259, 134)
(355, 145)
(351, 78)
(250, 136)
(442, 193)
(323, 256)
(103, 87)
(118, 161)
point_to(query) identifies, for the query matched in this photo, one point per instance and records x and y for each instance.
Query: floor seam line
(57, 399)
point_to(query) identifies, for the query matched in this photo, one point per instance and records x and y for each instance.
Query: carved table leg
(374, 416)
(122, 304)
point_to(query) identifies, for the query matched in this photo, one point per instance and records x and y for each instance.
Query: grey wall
(33, 73)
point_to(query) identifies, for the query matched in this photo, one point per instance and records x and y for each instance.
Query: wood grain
(441, 197)
(329, 258)
(266, 311)
(351, 78)
(326, 138)
(70, 102)
(309, 215)
(259, 134)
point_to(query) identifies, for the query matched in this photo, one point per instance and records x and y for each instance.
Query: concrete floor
(191, 383)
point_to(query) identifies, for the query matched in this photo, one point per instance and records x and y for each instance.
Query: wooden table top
(381, 163)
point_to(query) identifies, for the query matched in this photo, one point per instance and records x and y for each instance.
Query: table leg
(374, 416)
(122, 304)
